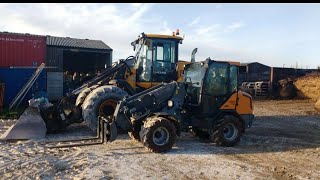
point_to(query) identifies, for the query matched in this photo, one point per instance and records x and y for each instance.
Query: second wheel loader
(207, 101)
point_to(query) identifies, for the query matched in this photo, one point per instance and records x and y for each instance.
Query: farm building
(252, 72)
(72, 60)
(261, 80)
(21, 54)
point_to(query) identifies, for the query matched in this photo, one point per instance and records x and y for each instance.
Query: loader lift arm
(69, 112)
(167, 98)
(66, 107)
(104, 76)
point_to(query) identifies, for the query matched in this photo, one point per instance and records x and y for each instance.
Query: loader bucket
(30, 125)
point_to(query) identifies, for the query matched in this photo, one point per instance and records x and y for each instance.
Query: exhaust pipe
(193, 54)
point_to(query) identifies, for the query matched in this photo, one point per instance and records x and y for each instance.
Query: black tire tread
(82, 96)
(91, 104)
(216, 134)
(146, 134)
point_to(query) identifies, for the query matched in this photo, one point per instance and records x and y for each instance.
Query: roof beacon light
(173, 34)
(177, 33)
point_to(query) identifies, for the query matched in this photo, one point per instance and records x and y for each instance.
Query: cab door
(157, 63)
(216, 87)
(164, 64)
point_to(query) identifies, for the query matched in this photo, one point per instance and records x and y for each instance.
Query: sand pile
(317, 105)
(308, 87)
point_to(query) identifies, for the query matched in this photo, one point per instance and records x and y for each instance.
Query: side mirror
(148, 43)
(134, 47)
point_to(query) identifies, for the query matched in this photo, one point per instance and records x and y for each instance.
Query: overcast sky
(273, 34)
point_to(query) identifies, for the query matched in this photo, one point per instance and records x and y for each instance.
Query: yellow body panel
(131, 77)
(147, 84)
(244, 105)
(180, 69)
(231, 103)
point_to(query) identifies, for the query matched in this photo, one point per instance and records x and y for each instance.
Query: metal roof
(77, 43)
(164, 36)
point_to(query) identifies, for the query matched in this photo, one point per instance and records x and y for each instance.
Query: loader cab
(209, 85)
(157, 59)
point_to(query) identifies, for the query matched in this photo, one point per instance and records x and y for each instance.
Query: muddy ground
(283, 143)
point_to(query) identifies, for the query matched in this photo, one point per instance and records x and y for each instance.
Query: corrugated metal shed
(73, 55)
(17, 49)
(77, 43)
(282, 73)
(254, 72)
(57, 47)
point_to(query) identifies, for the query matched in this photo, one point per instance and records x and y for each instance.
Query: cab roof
(236, 63)
(163, 36)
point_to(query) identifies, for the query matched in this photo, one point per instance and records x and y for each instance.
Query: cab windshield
(156, 62)
(194, 75)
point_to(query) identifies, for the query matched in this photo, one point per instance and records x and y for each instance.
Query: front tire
(101, 102)
(158, 134)
(227, 131)
(83, 94)
(80, 99)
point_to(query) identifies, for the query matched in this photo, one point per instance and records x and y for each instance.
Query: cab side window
(216, 82)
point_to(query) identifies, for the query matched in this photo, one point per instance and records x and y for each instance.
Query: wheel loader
(155, 61)
(207, 101)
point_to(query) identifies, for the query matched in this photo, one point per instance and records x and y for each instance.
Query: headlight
(170, 103)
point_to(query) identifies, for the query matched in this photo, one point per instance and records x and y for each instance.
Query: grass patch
(11, 114)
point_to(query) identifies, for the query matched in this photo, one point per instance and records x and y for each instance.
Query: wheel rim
(160, 136)
(107, 108)
(230, 132)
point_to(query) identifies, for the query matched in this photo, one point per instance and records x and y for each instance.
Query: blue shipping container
(16, 78)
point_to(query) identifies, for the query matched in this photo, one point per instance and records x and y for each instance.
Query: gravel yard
(283, 143)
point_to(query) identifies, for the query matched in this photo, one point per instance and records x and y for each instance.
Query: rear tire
(158, 134)
(227, 131)
(101, 102)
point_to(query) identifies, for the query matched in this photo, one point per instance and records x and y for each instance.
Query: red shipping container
(21, 49)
